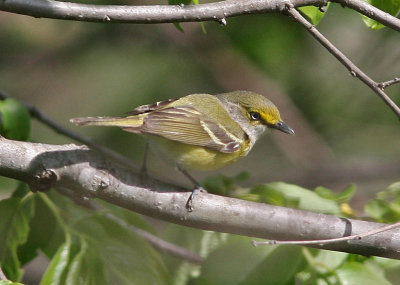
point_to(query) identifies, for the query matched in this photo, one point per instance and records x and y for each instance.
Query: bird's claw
(189, 203)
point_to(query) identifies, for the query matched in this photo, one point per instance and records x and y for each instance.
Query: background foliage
(71, 69)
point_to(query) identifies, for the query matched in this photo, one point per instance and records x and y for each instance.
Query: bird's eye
(254, 116)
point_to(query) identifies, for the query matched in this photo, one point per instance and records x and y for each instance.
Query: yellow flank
(194, 157)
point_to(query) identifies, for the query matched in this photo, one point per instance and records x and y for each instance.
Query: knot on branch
(285, 6)
(43, 181)
(100, 183)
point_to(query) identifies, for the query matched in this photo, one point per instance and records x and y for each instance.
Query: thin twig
(40, 116)
(2, 275)
(366, 9)
(354, 70)
(326, 241)
(151, 14)
(157, 242)
(388, 83)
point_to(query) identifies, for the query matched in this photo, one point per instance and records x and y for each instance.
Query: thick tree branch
(87, 174)
(216, 11)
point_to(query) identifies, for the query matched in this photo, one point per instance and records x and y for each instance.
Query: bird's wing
(150, 107)
(187, 125)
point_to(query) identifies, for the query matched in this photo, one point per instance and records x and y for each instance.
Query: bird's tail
(122, 122)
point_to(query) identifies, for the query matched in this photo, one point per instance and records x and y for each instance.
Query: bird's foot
(196, 190)
(144, 176)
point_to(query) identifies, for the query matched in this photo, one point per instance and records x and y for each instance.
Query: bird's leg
(197, 188)
(143, 170)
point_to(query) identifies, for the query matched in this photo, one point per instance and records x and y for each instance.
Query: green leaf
(390, 6)
(127, 216)
(377, 209)
(179, 2)
(341, 197)
(325, 262)
(391, 192)
(313, 13)
(223, 185)
(386, 207)
(279, 267)
(306, 199)
(49, 240)
(87, 267)
(15, 215)
(8, 282)
(237, 262)
(14, 120)
(57, 270)
(233, 261)
(359, 273)
(127, 257)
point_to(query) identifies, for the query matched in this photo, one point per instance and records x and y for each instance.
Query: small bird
(200, 131)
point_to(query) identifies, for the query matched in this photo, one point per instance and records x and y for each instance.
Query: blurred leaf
(180, 2)
(7, 282)
(279, 267)
(128, 258)
(21, 190)
(198, 241)
(233, 261)
(15, 215)
(386, 207)
(346, 210)
(57, 270)
(306, 199)
(223, 185)
(341, 197)
(127, 216)
(47, 241)
(14, 120)
(391, 192)
(377, 209)
(313, 13)
(87, 267)
(389, 6)
(359, 273)
(325, 262)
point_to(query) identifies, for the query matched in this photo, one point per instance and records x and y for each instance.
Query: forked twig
(354, 70)
(388, 83)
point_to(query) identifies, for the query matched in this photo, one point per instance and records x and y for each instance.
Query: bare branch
(372, 12)
(89, 175)
(384, 85)
(41, 117)
(151, 14)
(354, 70)
(326, 241)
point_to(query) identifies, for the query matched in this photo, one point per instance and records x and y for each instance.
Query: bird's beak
(282, 126)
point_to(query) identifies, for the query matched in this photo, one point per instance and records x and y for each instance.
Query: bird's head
(259, 111)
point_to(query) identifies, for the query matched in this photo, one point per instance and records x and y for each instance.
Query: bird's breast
(192, 157)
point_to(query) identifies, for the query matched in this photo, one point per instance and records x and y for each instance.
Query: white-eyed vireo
(200, 131)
